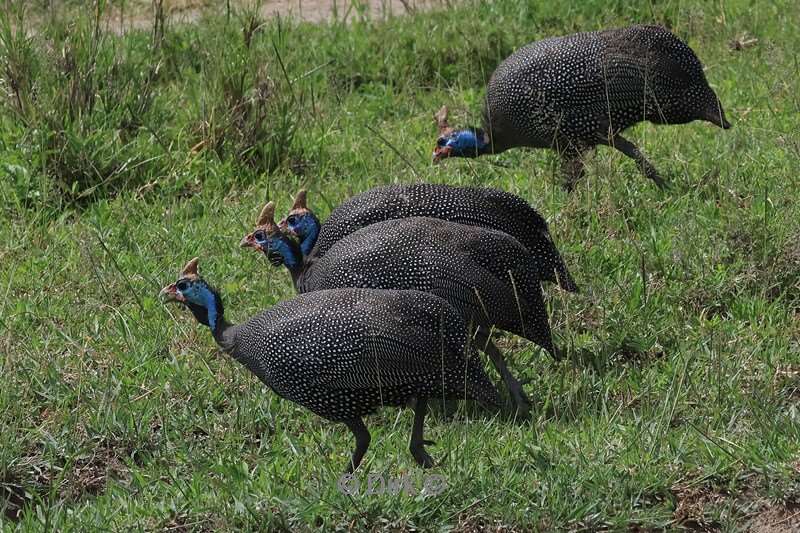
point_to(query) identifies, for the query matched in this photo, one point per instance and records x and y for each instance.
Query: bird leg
(629, 149)
(361, 434)
(572, 168)
(417, 446)
(518, 396)
(571, 154)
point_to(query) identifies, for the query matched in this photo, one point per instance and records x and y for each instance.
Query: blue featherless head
(269, 239)
(302, 223)
(467, 142)
(193, 292)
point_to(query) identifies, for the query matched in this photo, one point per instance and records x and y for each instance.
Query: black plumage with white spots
(487, 275)
(574, 92)
(344, 353)
(474, 206)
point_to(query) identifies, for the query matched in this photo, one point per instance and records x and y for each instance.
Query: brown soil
(13, 497)
(139, 14)
(777, 519)
(692, 503)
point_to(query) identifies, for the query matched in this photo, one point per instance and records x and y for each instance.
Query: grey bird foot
(351, 466)
(420, 455)
(650, 172)
(572, 176)
(660, 182)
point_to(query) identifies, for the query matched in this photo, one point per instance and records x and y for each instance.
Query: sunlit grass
(678, 404)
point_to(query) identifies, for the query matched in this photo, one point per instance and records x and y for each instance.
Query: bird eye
(182, 285)
(441, 141)
(260, 236)
(292, 219)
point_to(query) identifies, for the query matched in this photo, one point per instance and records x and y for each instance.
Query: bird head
(267, 237)
(193, 292)
(468, 142)
(302, 222)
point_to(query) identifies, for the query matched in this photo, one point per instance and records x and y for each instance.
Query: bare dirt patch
(34, 477)
(140, 15)
(776, 519)
(692, 505)
(474, 523)
(13, 498)
(697, 507)
(18, 493)
(91, 472)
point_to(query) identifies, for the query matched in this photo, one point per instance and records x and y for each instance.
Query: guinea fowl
(487, 275)
(473, 206)
(575, 92)
(344, 353)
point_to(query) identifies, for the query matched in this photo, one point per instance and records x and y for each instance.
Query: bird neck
(483, 140)
(224, 335)
(305, 276)
(210, 312)
(486, 144)
(492, 134)
(293, 258)
(307, 245)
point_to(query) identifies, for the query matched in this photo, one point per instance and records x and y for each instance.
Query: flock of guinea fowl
(403, 285)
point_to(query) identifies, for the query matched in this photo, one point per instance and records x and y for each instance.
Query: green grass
(126, 156)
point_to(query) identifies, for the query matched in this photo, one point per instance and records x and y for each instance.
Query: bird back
(474, 206)
(577, 88)
(379, 345)
(487, 275)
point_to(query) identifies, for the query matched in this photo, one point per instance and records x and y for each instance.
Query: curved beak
(248, 241)
(441, 152)
(170, 293)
